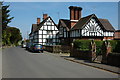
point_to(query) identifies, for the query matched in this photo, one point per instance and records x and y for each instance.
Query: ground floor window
(49, 41)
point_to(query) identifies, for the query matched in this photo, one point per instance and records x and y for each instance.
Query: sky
(26, 13)
(60, 0)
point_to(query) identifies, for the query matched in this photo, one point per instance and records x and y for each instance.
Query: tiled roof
(82, 22)
(65, 23)
(41, 24)
(106, 24)
(36, 27)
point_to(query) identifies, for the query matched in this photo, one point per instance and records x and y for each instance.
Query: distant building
(117, 35)
(89, 27)
(45, 32)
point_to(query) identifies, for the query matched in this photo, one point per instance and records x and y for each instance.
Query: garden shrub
(117, 47)
(115, 44)
(83, 45)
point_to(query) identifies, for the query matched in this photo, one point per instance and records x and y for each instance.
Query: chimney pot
(75, 12)
(38, 20)
(45, 16)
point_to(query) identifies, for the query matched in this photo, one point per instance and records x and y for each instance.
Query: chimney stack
(75, 14)
(45, 16)
(38, 20)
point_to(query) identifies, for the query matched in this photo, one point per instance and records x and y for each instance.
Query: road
(19, 63)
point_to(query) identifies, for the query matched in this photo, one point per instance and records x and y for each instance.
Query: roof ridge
(102, 18)
(65, 19)
(88, 16)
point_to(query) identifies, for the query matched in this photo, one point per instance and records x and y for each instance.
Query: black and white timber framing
(92, 27)
(89, 27)
(45, 33)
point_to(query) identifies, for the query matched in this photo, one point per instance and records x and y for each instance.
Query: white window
(48, 23)
(64, 34)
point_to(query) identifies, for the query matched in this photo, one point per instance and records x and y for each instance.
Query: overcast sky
(26, 13)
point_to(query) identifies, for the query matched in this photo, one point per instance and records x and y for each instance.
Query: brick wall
(86, 55)
(108, 38)
(58, 49)
(117, 35)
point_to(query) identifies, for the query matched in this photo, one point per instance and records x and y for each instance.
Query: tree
(5, 16)
(5, 20)
(14, 35)
(11, 35)
(6, 38)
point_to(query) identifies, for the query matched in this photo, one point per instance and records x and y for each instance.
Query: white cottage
(45, 32)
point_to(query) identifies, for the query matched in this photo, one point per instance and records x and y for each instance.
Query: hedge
(117, 48)
(115, 45)
(99, 47)
(83, 45)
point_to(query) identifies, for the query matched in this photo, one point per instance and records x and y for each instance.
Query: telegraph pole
(27, 34)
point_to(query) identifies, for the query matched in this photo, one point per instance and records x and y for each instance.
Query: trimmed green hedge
(115, 45)
(99, 47)
(83, 45)
(117, 48)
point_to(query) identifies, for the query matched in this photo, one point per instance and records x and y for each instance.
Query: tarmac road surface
(19, 63)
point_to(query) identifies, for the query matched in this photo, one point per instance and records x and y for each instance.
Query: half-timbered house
(89, 27)
(45, 32)
(64, 31)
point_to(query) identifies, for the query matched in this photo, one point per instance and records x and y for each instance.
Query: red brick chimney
(75, 14)
(38, 20)
(45, 16)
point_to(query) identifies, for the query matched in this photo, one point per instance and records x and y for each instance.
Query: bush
(83, 45)
(117, 47)
(115, 44)
(99, 47)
